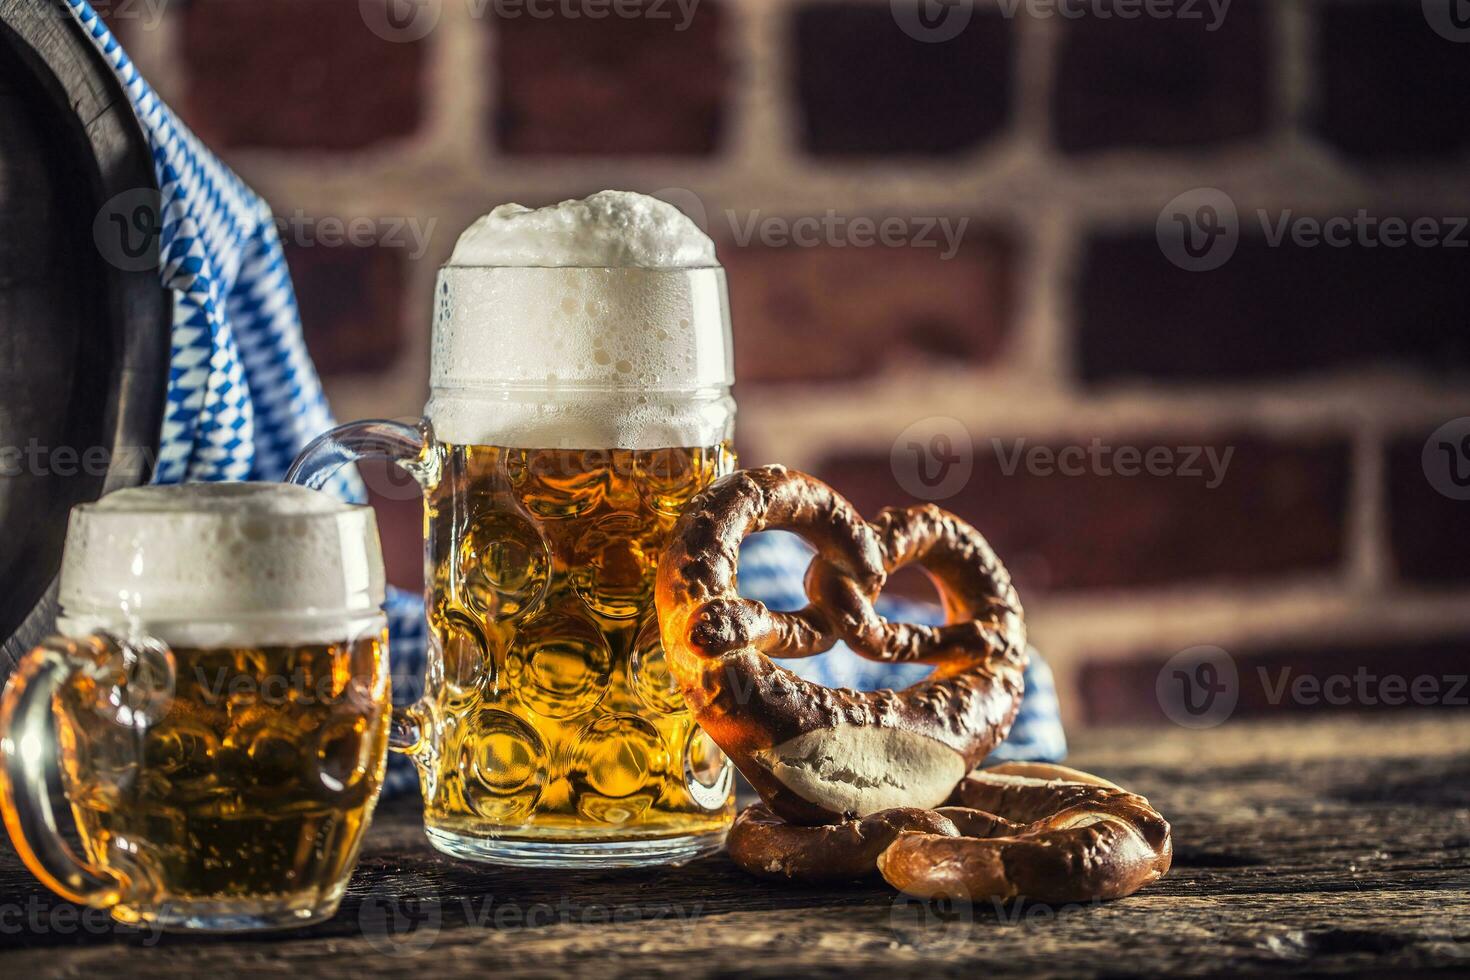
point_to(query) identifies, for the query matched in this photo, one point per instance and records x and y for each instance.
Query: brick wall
(1055, 264)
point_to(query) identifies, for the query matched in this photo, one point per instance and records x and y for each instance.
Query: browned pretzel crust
(765, 845)
(816, 755)
(1080, 838)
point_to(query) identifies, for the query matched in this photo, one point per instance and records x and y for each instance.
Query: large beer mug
(218, 700)
(581, 377)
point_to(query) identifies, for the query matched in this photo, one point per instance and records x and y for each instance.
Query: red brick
(351, 299)
(1280, 509)
(1391, 86)
(1124, 692)
(837, 311)
(297, 74)
(1429, 532)
(1162, 82)
(865, 86)
(612, 86)
(1269, 311)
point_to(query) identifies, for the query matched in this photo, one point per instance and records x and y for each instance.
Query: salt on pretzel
(817, 755)
(1062, 836)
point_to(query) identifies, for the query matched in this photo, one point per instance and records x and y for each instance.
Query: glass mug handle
(26, 742)
(411, 449)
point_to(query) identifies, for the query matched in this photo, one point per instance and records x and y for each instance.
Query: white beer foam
(609, 230)
(212, 564)
(601, 323)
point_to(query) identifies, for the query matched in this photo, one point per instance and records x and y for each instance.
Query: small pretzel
(1058, 835)
(817, 755)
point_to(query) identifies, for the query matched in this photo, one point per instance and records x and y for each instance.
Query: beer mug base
(232, 915)
(578, 855)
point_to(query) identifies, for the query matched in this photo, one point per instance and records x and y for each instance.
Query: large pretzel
(1020, 830)
(818, 755)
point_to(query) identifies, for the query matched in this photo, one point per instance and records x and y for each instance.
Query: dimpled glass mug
(218, 703)
(579, 399)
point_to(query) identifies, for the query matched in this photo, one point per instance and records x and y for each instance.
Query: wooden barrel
(83, 328)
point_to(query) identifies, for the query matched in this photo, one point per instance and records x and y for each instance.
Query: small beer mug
(217, 701)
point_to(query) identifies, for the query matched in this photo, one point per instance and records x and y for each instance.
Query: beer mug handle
(26, 743)
(412, 449)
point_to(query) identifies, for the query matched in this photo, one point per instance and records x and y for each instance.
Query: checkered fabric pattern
(244, 398)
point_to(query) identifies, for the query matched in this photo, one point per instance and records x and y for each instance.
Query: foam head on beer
(206, 564)
(596, 323)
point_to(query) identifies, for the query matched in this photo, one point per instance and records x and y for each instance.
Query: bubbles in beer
(262, 770)
(504, 565)
(560, 664)
(503, 764)
(584, 699)
(468, 662)
(612, 571)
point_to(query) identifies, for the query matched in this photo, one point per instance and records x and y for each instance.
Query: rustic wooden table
(1337, 846)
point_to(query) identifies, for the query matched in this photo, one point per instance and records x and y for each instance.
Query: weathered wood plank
(1315, 848)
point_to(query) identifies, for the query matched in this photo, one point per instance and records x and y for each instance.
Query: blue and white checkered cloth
(244, 398)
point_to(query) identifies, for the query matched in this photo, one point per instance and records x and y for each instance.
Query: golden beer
(556, 716)
(256, 781)
(217, 701)
(580, 374)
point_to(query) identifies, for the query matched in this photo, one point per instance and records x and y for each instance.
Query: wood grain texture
(1329, 847)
